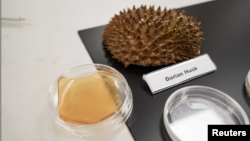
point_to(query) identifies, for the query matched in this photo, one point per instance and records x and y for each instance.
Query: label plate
(168, 77)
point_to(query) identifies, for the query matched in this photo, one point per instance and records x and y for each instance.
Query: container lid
(189, 111)
(248, 83)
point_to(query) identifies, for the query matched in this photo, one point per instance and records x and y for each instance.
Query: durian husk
(147, 37)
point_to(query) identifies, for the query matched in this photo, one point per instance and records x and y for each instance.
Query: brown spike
(132, 49)
(140, 25)
(130, 17)
(154, 45)
(164, 50)
(181, 18)
(183, 12)
(133, 34)
(132, 23)
(134, 7)
(149, 61)
(124, 49)
(157, 63)
(116, 16)
(147, 30)
(126, 64)
(194, 19)
(145, 49)
(157, 24)
(129, 11)
(148, 37)
(141, 54)
(178, 13)
(137, 11)
(135, 58)
(124, 35)
(156, 49)
(130, 42)
(158, 13)
(138, 31)
(167, 24)
(141, 6)
(153, 32)
(170, 32)
(163, 15)
(185, 58)
(165, 61)
(139, 37)
(169, 11)
(150, 18)
(139, 43)
(178, 58)
(165, 9)
(138, 15)
(147, 23)
(161, 28)
(169, 42)
(152, 55)
(159, 8)
(121, 13)
(198, 24)
(141, 63)
(135, 20)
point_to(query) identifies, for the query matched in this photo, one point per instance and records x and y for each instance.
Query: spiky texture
(149, 37)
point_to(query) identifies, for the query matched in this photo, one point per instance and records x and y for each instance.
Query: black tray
(226, 27)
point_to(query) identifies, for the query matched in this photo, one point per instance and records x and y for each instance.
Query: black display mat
(226, 27)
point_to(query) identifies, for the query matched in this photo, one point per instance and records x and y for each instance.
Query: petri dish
(189, 111)
(105, 127)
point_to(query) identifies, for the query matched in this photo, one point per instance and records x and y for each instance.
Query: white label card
(165, 78)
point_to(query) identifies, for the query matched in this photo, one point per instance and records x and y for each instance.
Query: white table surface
(36, 51)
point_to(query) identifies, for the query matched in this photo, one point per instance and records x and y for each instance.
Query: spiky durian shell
(148, 37)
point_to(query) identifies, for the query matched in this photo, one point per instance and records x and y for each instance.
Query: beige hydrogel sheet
(88, 99)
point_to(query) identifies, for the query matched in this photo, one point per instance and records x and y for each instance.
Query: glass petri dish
(105, 127)
(189, 110)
